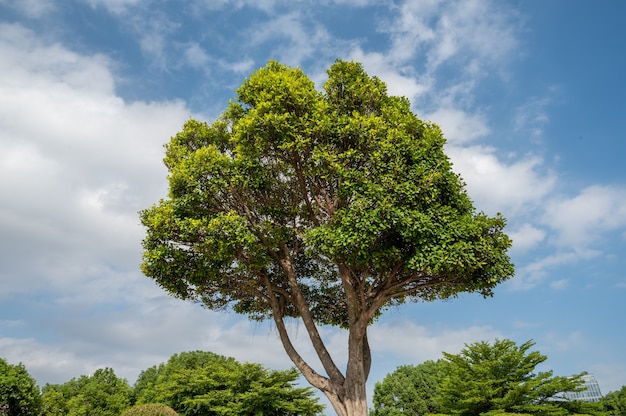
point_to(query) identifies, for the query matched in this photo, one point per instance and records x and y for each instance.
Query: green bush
(152, 409)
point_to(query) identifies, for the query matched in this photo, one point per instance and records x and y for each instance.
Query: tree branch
(307, 371)
(309, 323)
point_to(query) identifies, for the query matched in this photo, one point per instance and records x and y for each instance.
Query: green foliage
(152, 409)
(146, 390)
(579, 407)
(19, 393)
(410, 390)
(203, 383)
(485, 378)
(615, 402)
(292, 183)
(102, 394)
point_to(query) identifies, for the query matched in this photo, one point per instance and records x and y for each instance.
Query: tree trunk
(349, 395)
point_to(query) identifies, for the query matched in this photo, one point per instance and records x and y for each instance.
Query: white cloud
(78, 161)
(560, 284)
(497, 186)
(244, 66)
(416, 344)
(152, 27)
(213, 5)
(532, 116)
(535, 272)
(114, 6)
(480, 32)
(154, 327)
(43, 362)
(458, 126)
(399, 82)
(526, 237)
(293, 38)
(196, 56)
(580, 221)
(31, 8)
(558, 342)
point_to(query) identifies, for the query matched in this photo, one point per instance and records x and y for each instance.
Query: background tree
(53, 402)
(615, 402)
(500, 377)
(323, 206)
(409, 390)
(146, 385)
(203, 383)
(102, 394)
(19, 393)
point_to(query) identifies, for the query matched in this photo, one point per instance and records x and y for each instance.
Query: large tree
(500, 377)
(19, 393)
(327, 206)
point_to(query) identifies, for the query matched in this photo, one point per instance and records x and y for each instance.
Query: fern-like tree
(501, 377)
(326, 206)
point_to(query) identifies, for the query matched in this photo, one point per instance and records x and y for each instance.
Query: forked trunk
(349, 395)
(354, 402)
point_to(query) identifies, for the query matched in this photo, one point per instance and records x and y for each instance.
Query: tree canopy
(203, 383)
(327, 206)
(615, 402)
(102, 393)
(410, 390)
(19, 393)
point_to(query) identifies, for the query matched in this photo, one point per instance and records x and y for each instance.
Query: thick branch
(284, 259)
(309, 323)
(367, 356)
(307, 371)
(355, 298)
(303, 190)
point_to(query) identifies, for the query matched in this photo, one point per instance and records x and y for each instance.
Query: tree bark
(357, 370)
(348, 396)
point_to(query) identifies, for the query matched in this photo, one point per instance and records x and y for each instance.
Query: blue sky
(530, 95)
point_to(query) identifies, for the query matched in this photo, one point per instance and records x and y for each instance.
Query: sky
(530, 95)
